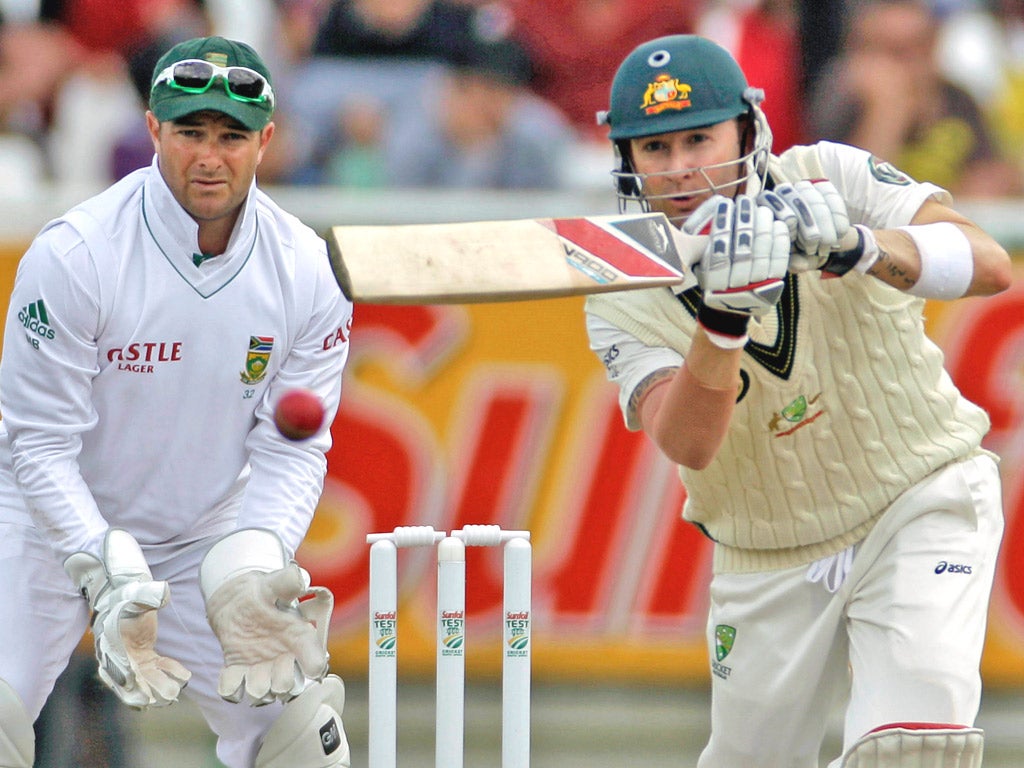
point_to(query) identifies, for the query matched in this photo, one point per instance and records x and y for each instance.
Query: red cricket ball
(299, 414)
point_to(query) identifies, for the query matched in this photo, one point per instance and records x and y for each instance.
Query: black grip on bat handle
(851, 249)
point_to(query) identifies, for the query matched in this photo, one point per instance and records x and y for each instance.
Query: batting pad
(918, 745)
(17, 739)
(309, 733)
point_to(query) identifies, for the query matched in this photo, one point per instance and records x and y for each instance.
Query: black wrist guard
(732, 324)
(841, 262)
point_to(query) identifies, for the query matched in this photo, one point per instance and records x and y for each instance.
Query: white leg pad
(309, 733)
(17, 739)
(917, 745)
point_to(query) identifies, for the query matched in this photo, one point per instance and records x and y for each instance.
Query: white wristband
(870, 255)
(947, 261)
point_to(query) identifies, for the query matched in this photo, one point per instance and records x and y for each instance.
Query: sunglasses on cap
(196, 76)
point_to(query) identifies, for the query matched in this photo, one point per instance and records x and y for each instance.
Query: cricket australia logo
(665, 92)
(36, 322)
(725, 637)
(257, 359)
(887, 172)
(796, 415)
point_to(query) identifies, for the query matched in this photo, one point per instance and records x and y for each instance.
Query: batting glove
(124, 599)
(816, 217)
(271, 624)
(743, 267)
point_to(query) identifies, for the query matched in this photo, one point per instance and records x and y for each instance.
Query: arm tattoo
(896, 274)
(645, 385)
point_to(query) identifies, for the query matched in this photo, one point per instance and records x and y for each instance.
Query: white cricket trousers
(42, 619)
(900, 640)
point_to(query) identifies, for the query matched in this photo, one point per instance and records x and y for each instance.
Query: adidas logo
(35, 319)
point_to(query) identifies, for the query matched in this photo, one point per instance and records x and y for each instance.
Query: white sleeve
(627, 361)
(49, 361)
(287, 477)
(876, 193)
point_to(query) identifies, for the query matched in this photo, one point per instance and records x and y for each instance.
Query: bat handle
(691, 247)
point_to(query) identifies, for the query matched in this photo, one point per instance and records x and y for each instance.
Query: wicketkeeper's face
(209, 161)
(680, 170)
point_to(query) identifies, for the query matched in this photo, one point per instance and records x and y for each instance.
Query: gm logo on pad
(330, 736)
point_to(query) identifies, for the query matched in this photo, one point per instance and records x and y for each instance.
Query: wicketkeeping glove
(816, 216)
(124, 599)
(742, 270)
(271, 624)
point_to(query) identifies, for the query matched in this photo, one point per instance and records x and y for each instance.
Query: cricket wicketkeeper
(144, 489)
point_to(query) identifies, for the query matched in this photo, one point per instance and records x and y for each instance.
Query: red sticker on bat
(628, 257)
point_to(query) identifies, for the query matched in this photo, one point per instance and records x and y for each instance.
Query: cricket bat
(515, 260)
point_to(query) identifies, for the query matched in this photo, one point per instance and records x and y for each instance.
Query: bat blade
(514, 260)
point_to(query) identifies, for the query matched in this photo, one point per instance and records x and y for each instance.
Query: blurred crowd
(501, 94)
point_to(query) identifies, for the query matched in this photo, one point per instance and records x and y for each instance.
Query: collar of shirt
(177, 233)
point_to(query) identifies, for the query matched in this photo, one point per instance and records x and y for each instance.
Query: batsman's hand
(816, 217)
(124, 599)
(743, 267)
(272, 625)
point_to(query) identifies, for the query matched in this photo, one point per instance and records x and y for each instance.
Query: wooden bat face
(514, 260)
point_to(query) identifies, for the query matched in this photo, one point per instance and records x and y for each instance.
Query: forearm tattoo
(645, 385)
(887, 268)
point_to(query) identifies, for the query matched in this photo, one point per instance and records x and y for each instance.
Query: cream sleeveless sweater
(845, 406)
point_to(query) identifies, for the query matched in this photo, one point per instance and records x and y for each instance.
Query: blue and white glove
(819, 227)
(816, 217)
(124, 599)
(743, 267)
(271, 624)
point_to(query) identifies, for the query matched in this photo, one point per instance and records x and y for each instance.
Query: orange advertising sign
(501, 414)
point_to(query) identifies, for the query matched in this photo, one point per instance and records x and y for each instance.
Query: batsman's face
(680, 170)
(209, 161)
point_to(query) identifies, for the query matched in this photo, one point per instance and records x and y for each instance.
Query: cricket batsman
(855, 515)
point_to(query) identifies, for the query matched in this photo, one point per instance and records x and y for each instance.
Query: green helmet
(678, 83)
(675, 83)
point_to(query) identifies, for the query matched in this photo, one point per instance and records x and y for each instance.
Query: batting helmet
(679, 83)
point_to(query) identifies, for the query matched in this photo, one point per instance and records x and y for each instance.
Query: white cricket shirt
(136, 387)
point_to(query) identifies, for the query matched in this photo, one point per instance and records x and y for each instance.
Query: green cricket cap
(169, 103)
